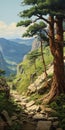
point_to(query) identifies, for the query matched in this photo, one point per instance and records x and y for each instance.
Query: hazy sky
(9, 10)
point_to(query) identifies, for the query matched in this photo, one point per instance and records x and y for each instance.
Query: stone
(47, 110)
(7, 118)
(39, 116)
(43, 125)
(29, 104)
(22, 104)
(53, 118)
(17, 100)
(33, 108)
(14, 118)
(30, 114)
(55, 123)
(32, 88)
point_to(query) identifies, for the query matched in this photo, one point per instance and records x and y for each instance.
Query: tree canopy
(55, 10)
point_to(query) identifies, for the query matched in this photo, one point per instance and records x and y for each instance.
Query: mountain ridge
(13, 52)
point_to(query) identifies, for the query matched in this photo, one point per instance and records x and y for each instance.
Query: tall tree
(56, 11)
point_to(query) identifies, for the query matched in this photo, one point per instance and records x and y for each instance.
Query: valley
(12, 52)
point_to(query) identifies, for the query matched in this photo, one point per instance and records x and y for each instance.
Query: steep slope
(36, 44)
(25, 69)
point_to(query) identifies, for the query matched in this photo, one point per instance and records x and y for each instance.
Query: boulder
(31, 89)
(48, 110)
(43, 125)
(13, 118)
(39, 116)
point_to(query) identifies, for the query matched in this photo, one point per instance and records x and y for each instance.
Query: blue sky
(9, 10)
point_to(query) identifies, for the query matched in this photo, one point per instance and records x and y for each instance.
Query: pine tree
(56, 12)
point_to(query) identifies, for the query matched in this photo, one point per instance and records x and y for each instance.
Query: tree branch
(41, 17)
(35, 20)
(47, 33)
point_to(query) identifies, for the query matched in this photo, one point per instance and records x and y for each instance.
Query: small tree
(32, 56)
(39, 30)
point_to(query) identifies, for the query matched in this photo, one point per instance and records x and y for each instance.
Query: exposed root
(53, 93)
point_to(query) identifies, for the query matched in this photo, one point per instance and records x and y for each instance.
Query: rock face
(40, 85)
(35, 44)
(20, 69)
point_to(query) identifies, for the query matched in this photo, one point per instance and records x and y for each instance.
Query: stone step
(29, 104)
(43, 125)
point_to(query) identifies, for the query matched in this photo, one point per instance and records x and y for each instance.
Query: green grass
(59, 106)
(7, 104)
(29, 69)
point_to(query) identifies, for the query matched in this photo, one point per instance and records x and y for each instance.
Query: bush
(59, 106)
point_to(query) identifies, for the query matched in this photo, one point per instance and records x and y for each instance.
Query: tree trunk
(43, 59)
(58, 81)
(56, 47)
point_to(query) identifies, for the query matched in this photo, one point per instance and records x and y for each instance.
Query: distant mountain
(4, 65)
(11, 53)
(25, 41)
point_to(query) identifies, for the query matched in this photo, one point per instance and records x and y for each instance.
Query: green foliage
(59, 106)
(7, 104)
(26, 23)
(30, 2)
(2, 72)
(36, 29)
(33, 55)
(11, 107)
(24, 82)
(11, 77)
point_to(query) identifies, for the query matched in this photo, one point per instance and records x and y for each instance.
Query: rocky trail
(35, 117)
(32, 116)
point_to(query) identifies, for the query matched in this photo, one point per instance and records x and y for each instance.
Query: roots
(49, 97)
(53, 93)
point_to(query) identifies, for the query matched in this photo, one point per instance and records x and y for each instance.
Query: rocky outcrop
(19, 69)
(35, 44)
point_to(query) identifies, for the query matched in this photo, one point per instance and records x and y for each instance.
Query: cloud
(11, 31)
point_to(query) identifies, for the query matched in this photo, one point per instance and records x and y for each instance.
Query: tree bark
(58, 58)
(56, 47)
